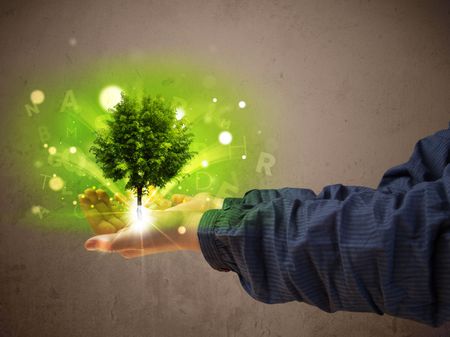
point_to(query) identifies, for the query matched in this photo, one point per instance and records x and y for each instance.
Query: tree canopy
(143, 142)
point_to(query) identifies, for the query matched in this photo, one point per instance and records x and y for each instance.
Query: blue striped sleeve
(349, 248)
(427, 163)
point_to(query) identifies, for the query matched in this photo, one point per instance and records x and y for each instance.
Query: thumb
(100, 242)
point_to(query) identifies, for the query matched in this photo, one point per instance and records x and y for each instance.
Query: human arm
(374, 251)
(430, 156)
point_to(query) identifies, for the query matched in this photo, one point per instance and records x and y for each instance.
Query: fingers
(104, 227)
(99, 211)
(121, 198)
(100, 242)
(124, 240)
(156, 200)
(91, 195)
(180, 198)
(103, 197)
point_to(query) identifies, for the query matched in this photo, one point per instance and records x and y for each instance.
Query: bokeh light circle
(225, 137)
(56, 183)
(110, 96)
(52, 150)
(37, 97)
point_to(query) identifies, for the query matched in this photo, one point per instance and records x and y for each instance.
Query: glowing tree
(144, 142)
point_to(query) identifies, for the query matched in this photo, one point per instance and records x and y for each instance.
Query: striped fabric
(352, 248)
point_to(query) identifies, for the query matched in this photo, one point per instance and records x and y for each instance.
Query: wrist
(188, 230)
(218, 203)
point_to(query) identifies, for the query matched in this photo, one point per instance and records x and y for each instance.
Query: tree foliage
(143, 143)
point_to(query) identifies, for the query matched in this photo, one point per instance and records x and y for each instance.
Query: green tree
(144, 143)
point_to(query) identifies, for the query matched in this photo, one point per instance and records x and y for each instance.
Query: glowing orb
(242, 104)
(45, 145)
(244, 156)
(73, 149)
(204, 163)
(56, 183)
(110, 96)
(52, 150)
(225, 137)
(179, 113)
(181, 230)
(37, 97)
(73, 41)
(74, 202)
(214, 100)
(35, 209)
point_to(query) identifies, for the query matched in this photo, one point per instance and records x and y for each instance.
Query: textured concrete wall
(358, 82)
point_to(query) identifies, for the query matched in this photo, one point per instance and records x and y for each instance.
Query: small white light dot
(73, 41)
(259, 132)
(225, 137)
(244, 156)
(37, 97)
(204, 163)
(179, 113)
(181, 230)
(73, 149)
(52, 150)
(214, 99)
(179, 187)
(45, 145)
(242, 104)
(74, 202)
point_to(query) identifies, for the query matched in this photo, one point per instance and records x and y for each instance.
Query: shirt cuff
(215, 251)
(229, 202)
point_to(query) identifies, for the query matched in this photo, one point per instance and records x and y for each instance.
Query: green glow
(71, 105)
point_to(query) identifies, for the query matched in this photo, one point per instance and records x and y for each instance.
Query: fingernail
(91, 245)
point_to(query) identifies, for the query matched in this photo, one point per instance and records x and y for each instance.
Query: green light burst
(60, 115)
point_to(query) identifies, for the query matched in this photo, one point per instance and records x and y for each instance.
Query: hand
(174, 228)
(159, 231)
(107, 215)
(103, 214)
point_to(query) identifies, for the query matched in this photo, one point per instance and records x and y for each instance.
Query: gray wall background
(357, 84)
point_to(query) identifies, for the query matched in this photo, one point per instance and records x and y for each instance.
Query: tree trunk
(139, 196)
